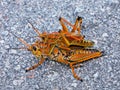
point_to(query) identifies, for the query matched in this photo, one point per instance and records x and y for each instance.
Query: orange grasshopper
(58, 48)
(69, 57)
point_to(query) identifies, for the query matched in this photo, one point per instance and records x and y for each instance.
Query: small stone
(95, 41)
(8, 87)
(52, 76)
(7, 64)
(2, 41)
(69, 88)
(86, 78)
(74, 84)
(2, 73)
(77, 9)
(37, 87)
(17, 82)
(13, 51)
(55, 0)
(17, 67)
(56, 88)
(7, 46)
(5, 33)
(109, 69)
(114, 1)
(104, 35)
(96, 75)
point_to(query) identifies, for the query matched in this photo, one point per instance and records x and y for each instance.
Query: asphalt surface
(101, 21)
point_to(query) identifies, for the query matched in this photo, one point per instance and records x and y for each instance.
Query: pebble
(53, 75)
(17, 82)
(114, 1)
(17, 67)
(2, 41)
(5, 33)
(74, 84)
(7, 64)
(96, 75)
(2, 73)
(104, 35)
(7, 46)
(95, 41)
(13, 51)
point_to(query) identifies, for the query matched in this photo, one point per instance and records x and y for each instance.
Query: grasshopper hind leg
(74, 73)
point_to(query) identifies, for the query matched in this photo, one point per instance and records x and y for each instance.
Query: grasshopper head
(35, 50)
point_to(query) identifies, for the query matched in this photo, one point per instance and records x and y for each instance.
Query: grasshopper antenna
(23, 48)
(35, 29)
(20, 39)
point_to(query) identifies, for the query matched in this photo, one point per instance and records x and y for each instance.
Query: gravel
(101, 21)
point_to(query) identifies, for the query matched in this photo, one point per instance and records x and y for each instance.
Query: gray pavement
(101, 21)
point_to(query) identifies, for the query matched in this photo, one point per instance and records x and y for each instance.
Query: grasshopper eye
(34, 48)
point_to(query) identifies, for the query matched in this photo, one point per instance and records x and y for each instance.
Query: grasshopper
(73, 57)
(57, 47)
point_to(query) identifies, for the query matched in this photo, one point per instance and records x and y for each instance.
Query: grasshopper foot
(81, 80)
(103, 53)
(26, 70)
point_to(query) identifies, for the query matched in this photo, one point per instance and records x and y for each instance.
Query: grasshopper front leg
(36, 65)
